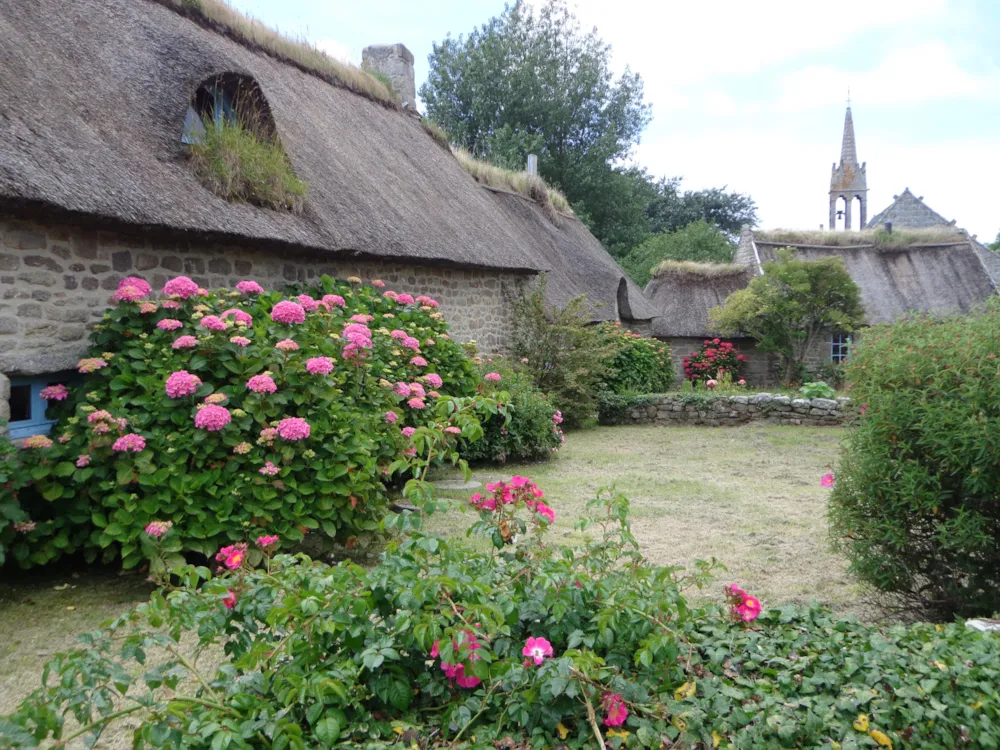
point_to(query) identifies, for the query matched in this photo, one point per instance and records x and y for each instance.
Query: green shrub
(640, 365)
(915, 507)
(434, 643)
(528, 427)
(135, 442)
(241, 165)
(817, 389)
(699, 241)
(566, 356)
(13, 520)
(614, 408)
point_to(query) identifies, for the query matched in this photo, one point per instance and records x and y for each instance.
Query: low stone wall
(728, 411)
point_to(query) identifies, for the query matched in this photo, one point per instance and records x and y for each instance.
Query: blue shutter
(36, 423)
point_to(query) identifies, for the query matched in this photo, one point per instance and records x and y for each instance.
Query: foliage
(698, 241)
(995, 245)
(12, 518)
(915, 504)
(639, 364)
(791, 305)
(614, 408)
(242, 165)
(828, 372)
(566, 357)
(817, 389)
(673, 210)
(713, 359)
(169, 433)
(573, 647)
(526, 427)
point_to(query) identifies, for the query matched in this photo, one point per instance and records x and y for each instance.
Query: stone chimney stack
(396, 63)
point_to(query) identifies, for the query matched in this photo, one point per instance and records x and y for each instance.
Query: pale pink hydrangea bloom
(287, 311)
(433, 379)
(399, 334)
(182, 383)
(378, 283)
(242, 448)
(293, 428)
(169, 324)
(430, 342)
(362, 318)
(138, 283)
(408, 431)
(241, 341)
(185, 342)
(416, 390)
(249, 287)
(262, 384)
(182, 286)
(269, 469)
(353, 280)
(90, 364)
(131, 289)
(215, 398)
(37, 441)
(213, 323)
(390, 295)
(492, 377)
(148, 307)
(418, 362)
(334, 300)
(319, 365)
(453, 430)
(24, 527)
(537, 650)
(130, 442)
(307, 302)
(415, 403)
(391, 417)
(158, 528)
(404, 299)
(212, 418)
(267, 541)
(83, 460)
(170, 304)
(98, 416)
(411, 343)
(287, 345)
(268, 434)
(57, 392)
(401, 389)
(240, 316)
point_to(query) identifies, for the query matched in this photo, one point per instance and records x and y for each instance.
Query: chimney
(532, 163)
(888, 227)
(395, 62)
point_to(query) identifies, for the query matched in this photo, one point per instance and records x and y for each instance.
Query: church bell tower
(848, 181)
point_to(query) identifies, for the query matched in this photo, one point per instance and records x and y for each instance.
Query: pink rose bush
(742, 606)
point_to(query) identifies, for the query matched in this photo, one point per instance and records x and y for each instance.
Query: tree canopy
(790, 306)
(698, 241)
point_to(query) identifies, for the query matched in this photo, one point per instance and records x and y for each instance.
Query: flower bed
(720, 410)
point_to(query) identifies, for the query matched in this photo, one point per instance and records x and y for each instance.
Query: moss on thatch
(528, 185)
(691, 268)
(219, 16)
(243, 167)
(865, 238)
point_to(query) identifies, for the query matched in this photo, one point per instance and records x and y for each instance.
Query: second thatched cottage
(101, 104)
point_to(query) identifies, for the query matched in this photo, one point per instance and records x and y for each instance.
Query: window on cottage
(840, 347)
(28, 408)
(226, 98)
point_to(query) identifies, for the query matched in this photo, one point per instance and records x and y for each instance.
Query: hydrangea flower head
(83, 460)
(90, 364)
(416, 403)
(286, 345)
(130, 442)
(269, 469)
(158, 528)
(169, 324)
(57, 392)
(185, 342)
(412, 343)
(212, 418)
(148, 307)
(242, 448)
(408, 431)
(293, 428)
(399, 334)
(307, 302)
(319, 365)
(240, 316)
(182, 286)
(215, 398)
(170, 304)
(391, 417)
(404, 299)
(182, 383)
(287, 311)
(241, 341)
(418, 361)
(249, 287)
(378, 283)
(433, 379)
(37, 441)
(334, 300)
(262, 384)
(493, 377)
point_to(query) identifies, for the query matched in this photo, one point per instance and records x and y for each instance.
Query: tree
(793, 303)
(535, 82)
(995, 245)
(672, 210)
(699, 241)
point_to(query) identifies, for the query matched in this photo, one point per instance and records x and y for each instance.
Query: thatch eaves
(684, 293)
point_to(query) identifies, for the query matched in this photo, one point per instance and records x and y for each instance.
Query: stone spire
(848, 180)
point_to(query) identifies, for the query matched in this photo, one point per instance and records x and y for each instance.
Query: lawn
(748, 496)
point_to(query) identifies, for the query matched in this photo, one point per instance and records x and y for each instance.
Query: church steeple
(848, 180)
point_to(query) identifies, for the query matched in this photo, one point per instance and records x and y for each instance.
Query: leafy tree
(790, 305)
(995, 245)
(698, 241)
(672, 209)
(536, 82)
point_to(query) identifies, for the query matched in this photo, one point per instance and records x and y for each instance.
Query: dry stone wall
(729, 411)
(57, 280)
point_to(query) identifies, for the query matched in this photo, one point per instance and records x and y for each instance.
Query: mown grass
(242, 166)
(748, 496)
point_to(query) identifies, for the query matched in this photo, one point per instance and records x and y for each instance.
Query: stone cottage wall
(56, 281)
(729, 411)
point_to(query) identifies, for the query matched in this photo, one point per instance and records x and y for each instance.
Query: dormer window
(228, 98)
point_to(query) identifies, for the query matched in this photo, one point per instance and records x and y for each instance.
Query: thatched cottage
(100, 101)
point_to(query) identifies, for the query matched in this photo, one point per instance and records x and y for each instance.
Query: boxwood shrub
(227, 411)
(916, 506)
(639, 364)
(527, 646)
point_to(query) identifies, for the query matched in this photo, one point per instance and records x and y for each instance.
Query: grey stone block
(824, 403)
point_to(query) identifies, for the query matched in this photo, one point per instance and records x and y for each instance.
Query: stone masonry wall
(729, 411)
(56, 281)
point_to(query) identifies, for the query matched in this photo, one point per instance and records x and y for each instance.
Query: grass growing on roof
(878, 237)
(529, 185)
(236, 164)
(298, 51)
(693, 268)
(436, 132)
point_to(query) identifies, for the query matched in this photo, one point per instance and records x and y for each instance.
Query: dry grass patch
(865, 237)
(250, 32)
(694, 268)
(529, 185)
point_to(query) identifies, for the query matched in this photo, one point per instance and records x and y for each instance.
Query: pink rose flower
(334, 300)
(182, 286)
(287, 345)
(827, 480)
(262, 384)
(185, 342)
(319, 365)
(212, 418)
(391, 417)
(229, 600)
(545, 512)
(615, 711)
(293, 428)
(182, 383)
(249, 287)
(232, 556)
(131, 442)
(240, 316)
(57, 392)
(537, 650)
(158, 528)
(267, 541)
(169, 324)
(288, 312)
(408, 431)
(493, 377)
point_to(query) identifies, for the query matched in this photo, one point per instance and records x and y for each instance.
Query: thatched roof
(942, 278)
(683, 293)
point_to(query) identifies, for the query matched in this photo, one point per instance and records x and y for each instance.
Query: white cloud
(337, 50)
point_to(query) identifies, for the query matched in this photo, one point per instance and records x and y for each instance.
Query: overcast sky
(752, 95)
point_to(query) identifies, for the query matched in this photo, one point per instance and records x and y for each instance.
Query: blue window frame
(840, 346)
(27, 407)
